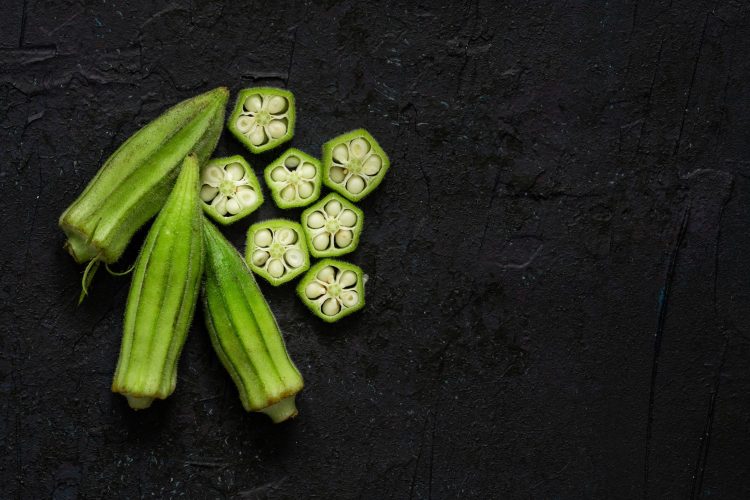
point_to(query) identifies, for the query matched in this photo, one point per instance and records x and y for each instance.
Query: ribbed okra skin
(162, 295)
(244, 332)
(133, 183)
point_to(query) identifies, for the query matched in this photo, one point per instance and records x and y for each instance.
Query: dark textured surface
(559, 256)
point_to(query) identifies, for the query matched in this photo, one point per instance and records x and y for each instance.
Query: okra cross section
(333, 289)
(229, 189)
(354, 164)
(294, 179)
(276, 250)
(263, 118)
(332, 226)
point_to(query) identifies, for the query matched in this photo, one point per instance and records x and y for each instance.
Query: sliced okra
(135, 181)
(294, 179)
(354, 164)
(244, 332)
(229, 189)
(332, 289)
(263, 118)
(162, 296)
(276, 250)
(332, 226)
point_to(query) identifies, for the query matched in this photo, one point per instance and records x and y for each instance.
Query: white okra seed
(305, 189)
(258, 136)
(321, 241)
(235, 171)
(246, 195)
(372, 165)
(208, 193)
(316, 220)
(276, 104)
(276, 129)
(314, 290)
(331, 307)
(355, 184)
(341, 153)
(213, 175)
(253, 103)
(348, 278)
(291, 161)
(279, 174)
(350, 298)
(260, 257)
(275, 268)
(337, 174)
(233, 206)
(245, 124)
(359, 147)
(343, 238)
(221, 206)
(307, 171)
(288, 193)
(294, 257)
(327, 274)
(348, 218)
(286, 236)
(333, 208)
(263, 238)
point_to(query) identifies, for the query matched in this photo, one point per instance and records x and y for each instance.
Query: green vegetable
(263, 118)
(133, 183)
(294, 179)
(162, 295)
(333, 289)
(276, 250)
(229, 189)
(332, 226)
(244, 332)
(354, 164)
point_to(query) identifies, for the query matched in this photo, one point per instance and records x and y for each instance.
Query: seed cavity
(263, 118)
(229, 188)
(277, 250)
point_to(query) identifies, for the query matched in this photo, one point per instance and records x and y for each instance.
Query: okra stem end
(139, 403)
(283, 410)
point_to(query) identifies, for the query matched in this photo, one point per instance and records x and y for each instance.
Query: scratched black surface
(558, 302)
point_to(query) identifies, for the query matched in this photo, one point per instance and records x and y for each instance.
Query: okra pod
(263, 118)
(276, 250)
(333, 289)
(162, 297)
(354, 164)
(294, 179)
(134, 182)
(229, 189)
(332, 226)
(244, 332)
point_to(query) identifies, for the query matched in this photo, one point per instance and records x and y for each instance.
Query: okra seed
(337, 174)
(276, 129)
(333, 208)
(316, 220)
(233, 206)
(355, 184)
(221, 205)
(245, 124)
(253, 103)
(291, 161)
(321, 241)
(275, 268)
(247, 195)
(277, 104)
(294, 258)
(305, 189)
(235, 171)
(279, 174)
(341, 153)
(327, 274)
(359, 147)
(263, 238)
(260, 257)
(331, 307)
(314, 290)
(350, 298)
(288, 193)
(307, 171)
(213, 175)
(372, 165)
(208, 193)
(348, 218)
(258, 136)
(286, 236)
(343, 238)
(348, 279)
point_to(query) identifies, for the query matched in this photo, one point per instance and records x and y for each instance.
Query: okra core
(332, 226)
(294, 179)
(354, 164)
(229, 189)
(263, 118)
(276, 250)
(333, 289)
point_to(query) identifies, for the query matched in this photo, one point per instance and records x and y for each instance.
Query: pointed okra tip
(294, 179)
(229, 189)
(354, 164)
(263, 118)
(333, 289)
(332, 226)
(276, 250)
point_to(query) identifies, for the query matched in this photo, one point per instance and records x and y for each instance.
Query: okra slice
(135, 181)
(354, 164)
(263, 118)
(162, 296)
(332, 289)
(332, 226)
(244, 332)
(276, 250)
(229, 189)
(294, 179)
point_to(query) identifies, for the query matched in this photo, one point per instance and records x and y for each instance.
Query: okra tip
(283, 410)
(139, 403)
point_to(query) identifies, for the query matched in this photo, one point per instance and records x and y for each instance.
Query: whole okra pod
(162, 295)
(244, 332)
(133, 183)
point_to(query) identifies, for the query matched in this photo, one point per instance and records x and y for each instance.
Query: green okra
(229, 189)
(333, 289)
(276, 250)
(162, 295)
(244, 332)
(134, 182)
(294, 179)
(354, 164)
(263, 118)
(332, 226)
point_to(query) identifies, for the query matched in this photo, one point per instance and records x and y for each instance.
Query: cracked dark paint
(544, 159)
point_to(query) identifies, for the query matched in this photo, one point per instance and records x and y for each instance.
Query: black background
(558, 257)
